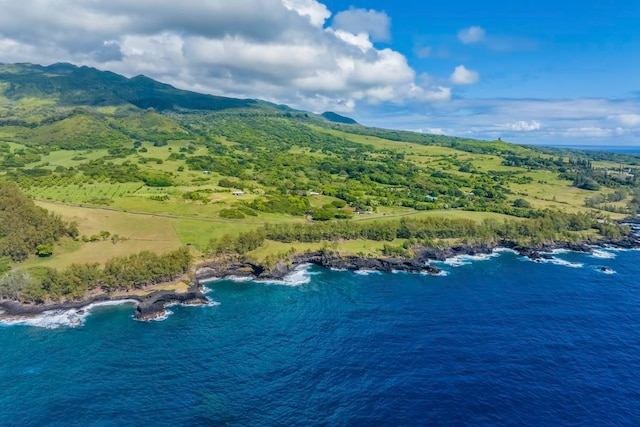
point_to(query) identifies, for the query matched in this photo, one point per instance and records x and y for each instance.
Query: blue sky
(546, 72)
(583, 57)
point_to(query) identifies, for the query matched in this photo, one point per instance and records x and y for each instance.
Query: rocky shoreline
(148, 307)
(154, 305)
(221, 269)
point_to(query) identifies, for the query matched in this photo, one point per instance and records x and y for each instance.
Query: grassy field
(83, 193)
(137, 233)
(344, 247)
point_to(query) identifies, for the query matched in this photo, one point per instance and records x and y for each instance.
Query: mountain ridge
(72, 85)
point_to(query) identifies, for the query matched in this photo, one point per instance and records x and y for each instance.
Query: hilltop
(138, 165)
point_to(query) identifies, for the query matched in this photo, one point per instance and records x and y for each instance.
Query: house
(314, 193)
(238, 193)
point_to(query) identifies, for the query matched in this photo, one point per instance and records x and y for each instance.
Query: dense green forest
(236, 177)
(26, 229)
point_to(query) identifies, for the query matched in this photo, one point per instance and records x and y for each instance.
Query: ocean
(497, 340)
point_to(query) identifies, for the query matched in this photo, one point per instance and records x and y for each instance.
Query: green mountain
(70, 85)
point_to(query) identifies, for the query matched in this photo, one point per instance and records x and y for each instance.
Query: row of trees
(551, 226)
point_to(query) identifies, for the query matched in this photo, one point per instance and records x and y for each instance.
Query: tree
(521, 203)
(44, 250)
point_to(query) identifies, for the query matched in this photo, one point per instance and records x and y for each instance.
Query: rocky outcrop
(154, 305)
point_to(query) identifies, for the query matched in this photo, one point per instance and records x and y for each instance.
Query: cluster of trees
(533, 162)
(230, 246)
(19, 158)
(25, 227)
(125, 172)
(122, 273)
(617, 196)
(289, 204)
(585, 181)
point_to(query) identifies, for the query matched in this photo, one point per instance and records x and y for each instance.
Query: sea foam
(460, 260)
(53, 319)
(301, 275)
(600, 253)
(556, 261)
(366, 272)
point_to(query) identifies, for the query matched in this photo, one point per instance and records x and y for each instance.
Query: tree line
(550, 226)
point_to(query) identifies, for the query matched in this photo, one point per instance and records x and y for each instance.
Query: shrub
(231, 214)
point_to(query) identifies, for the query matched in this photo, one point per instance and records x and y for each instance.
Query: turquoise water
(500, 341)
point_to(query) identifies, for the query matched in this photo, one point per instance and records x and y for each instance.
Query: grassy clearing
(71, 158)
(199, 233)
(344, 247)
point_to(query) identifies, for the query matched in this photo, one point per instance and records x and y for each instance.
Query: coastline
(420, 263)
(147, 307)
(152, 304)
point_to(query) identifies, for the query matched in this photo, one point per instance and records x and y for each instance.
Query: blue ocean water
(501, 341)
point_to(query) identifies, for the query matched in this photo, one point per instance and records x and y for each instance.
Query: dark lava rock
(154, 305)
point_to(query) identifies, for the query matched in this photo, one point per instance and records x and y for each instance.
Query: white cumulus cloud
(376, 24)
(474, 34)
(627, 120)
(285, 51)
(524, 126)
(463, 76)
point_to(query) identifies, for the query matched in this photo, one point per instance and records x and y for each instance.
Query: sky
(562, 72)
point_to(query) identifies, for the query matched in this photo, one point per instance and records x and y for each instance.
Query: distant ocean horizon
(614, 149)
(496, 340)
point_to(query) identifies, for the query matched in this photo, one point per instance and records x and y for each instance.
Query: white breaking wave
(366, 272)
(164, 316)
(238, 279)
(507, 250)
(209, 280)
(599, 253)
(557, 261)
(559, 251)
(460, 260)
(442, 273)
(53, 319)
(301, 275)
